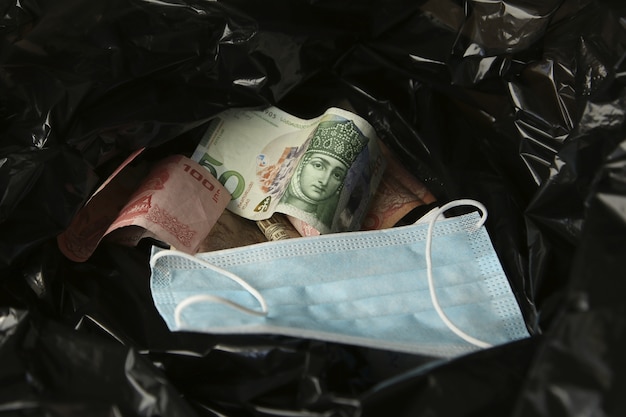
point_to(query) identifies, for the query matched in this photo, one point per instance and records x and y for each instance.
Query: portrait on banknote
(315, 186)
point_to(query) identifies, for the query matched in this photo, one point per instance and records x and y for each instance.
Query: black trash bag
(517, 104)
(50, 369)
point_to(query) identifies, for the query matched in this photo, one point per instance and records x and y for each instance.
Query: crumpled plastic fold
(51, 369)
(520, 104)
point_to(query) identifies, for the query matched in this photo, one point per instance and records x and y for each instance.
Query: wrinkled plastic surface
(518, 104)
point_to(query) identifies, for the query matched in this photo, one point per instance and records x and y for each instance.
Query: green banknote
(323, 171)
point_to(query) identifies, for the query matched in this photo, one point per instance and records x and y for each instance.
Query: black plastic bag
(518, 104)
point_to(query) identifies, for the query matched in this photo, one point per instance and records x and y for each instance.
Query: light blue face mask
(382, 289)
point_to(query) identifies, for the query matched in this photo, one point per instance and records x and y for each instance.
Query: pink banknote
(177, 202)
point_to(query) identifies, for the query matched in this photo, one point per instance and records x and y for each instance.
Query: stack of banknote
(256, 175)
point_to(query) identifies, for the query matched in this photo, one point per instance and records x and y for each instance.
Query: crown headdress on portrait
(339, 139)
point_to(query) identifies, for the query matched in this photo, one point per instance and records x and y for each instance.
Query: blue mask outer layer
(362, 288)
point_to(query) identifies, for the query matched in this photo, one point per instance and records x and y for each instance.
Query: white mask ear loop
(200, 298)
(429, 266)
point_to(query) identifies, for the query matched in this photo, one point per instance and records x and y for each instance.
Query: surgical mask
(383, 289)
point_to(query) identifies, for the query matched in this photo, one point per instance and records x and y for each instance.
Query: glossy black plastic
(520, 104)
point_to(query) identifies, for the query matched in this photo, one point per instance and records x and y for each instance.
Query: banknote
(323, 171)
(302, 227)
(90, 224)
(177, 202)
(231, 231)
(398, 194)
(277, 227)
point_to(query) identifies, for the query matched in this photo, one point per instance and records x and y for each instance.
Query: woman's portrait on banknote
(316, 183)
